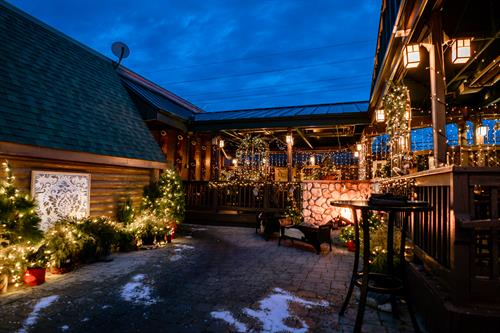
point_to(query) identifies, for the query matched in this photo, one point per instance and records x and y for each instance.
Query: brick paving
(210, 269)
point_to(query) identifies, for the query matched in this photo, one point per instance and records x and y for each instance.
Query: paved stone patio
(211, 272)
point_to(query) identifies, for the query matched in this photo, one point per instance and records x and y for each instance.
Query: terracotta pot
(34, 276)
(351, 246)
(59, 270)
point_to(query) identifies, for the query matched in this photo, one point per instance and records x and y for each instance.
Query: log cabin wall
(110, 185)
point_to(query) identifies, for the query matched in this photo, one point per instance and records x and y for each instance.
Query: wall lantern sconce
(482, 131)
(380, 115)
(460, 51)
(411, 56)
(359, 146)
(312, 160)
(221, 143)
(289, 139)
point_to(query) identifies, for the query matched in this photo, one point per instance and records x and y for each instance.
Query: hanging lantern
(289, 139)
(482, 130)
(221, 143)
(380, 115)
(460, 51)
(312, 160)
(411, 56)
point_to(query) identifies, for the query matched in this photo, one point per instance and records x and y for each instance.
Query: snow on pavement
(137, 292)
(273, 312)
(33, 316)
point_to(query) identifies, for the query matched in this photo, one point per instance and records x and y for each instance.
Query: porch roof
(286, 116)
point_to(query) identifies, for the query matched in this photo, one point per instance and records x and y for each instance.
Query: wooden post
(289, 156)
(438, 89)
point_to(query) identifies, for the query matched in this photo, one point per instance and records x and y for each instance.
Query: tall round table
(390, 282)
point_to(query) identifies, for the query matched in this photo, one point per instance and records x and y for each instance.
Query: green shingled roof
(56, 93)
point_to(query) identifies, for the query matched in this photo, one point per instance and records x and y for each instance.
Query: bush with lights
(18, 219)
(125, 212)
(18, 229)
(165, 199)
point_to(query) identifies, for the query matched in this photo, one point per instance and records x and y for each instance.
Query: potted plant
(37, 263)
(347, 235)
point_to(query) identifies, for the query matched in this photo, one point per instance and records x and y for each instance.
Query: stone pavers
(182, 287)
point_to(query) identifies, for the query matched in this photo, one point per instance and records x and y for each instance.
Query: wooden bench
(311, 234)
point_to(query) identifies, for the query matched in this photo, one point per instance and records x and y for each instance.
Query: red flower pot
(34, 276)
(351, 246)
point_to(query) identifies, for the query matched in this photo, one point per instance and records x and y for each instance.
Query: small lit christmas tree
(166, 198)
(18, 219)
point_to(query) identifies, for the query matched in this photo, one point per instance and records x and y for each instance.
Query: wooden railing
(459, 239)
(270, 197)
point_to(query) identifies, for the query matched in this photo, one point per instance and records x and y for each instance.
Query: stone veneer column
(317, 194)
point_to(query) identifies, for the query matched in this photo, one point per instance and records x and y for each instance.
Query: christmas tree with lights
(18, 218)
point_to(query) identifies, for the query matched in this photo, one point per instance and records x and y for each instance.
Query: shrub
(125, 212)
(13, 262)
(102, 231)
(65, 243)
(147, 229)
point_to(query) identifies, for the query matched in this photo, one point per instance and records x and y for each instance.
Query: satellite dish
(120, 50)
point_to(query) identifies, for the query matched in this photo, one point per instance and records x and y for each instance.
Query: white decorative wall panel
(60, 194)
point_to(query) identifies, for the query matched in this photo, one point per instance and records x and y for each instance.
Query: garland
(395, 102)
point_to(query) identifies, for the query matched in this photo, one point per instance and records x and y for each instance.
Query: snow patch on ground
(179, 248)
(64, 328)
(229, 318)
(138, 292)
(105, 306)
(33, 316)
(273, 311)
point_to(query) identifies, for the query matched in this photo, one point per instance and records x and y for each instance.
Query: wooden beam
(304, 138)
(15, 149)
(438, 89)
(289, 156)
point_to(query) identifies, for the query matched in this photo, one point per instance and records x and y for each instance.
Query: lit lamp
(359, 146)
(380, 115)
(312, 160)
(221, 143)
(356, 154)
(289, 139)
(411, 56)
(235, 162)
(482, 130)
(460, 51)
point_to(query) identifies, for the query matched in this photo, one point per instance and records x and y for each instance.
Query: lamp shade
(411, 55)
(482, 130)
(380, 115)
(460, 51)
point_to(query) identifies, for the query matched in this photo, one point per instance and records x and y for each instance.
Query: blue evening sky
(223, 55)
